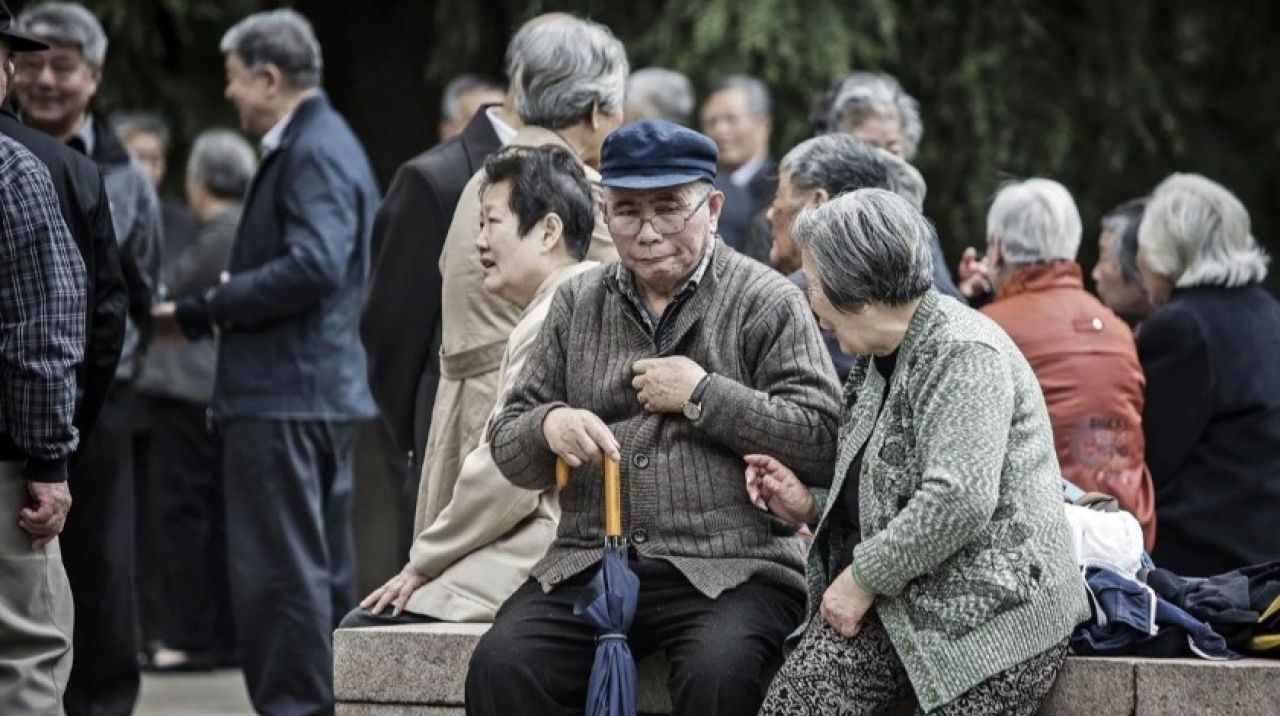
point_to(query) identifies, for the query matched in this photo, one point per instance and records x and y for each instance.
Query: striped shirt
(42, 319)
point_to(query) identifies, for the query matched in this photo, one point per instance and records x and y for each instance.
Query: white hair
(561, 67)
(860, 95)
(868, 246)
(1196, 233)
(660, 93)
(1035, 220)
(451, 101)
(67, 23)
(224, 162)
(911, 184)
(283, 38)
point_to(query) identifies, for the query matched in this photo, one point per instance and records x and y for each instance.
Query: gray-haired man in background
(463, 97)
(192, 626)
(659, 93)
(290, 390)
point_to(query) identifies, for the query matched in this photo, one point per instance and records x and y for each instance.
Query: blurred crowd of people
(592, 261)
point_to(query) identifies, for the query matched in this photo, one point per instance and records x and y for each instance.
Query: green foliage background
(1107, 97)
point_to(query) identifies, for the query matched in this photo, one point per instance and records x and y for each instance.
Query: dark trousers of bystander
(98, 551)
(536, 658)
(189, 519)
(288, 487)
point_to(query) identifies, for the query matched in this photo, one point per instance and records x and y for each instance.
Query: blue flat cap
(653, 154)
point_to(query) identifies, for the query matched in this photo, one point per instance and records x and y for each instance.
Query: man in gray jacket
(193, 621)
(55, 88)
(678, 361)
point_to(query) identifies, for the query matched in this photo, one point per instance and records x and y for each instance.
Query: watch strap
(700, 389)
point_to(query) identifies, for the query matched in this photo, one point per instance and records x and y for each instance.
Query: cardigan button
(908, 647)
(639, 535)
(932, 694)
(640, 460)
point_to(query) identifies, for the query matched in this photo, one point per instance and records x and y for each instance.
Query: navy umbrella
(609, 603)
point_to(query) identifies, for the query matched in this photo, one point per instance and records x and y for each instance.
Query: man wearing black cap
(678, 361)
(42, 333)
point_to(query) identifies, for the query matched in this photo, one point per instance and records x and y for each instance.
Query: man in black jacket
(408, 235)
(83, 201)
(55, 88)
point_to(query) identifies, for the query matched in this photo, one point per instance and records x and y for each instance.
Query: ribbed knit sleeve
(515, 434)
(793, 416)
(965, 408)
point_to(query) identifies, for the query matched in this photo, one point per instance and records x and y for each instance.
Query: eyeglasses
(665, 223)
(27, 66)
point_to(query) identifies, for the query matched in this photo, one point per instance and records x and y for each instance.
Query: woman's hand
(845, 604)
(974, 275)
(773, 487)
(395, 592)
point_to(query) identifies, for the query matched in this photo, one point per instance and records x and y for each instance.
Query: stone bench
(420, 671)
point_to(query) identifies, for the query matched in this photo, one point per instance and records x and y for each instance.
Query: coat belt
(473, 361)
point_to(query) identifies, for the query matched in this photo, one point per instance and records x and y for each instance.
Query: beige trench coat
(476, 325)
(482, 544)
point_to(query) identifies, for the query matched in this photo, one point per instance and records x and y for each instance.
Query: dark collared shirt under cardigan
(772, 391)
(42, 319)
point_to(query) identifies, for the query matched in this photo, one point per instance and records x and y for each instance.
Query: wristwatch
(692, 407)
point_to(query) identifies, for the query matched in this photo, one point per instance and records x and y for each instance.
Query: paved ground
(222, 693)
(218, 693)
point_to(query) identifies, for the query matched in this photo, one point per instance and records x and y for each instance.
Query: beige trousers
(36, 612)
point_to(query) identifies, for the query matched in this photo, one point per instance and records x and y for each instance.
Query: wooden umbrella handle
(612, 492)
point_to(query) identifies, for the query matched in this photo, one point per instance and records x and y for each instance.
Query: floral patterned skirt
(829, 674)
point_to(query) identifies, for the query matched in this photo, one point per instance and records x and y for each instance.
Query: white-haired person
(941, 565)
(1210, 352)
(873, 107)
(1082, 353)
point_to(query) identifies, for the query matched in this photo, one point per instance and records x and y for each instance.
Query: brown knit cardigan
(773, 390)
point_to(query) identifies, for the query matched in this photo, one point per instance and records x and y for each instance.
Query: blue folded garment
(1131, 619)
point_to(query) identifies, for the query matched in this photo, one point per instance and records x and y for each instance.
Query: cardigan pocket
(738, 518)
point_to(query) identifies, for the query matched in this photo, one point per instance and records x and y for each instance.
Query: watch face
(692, 411)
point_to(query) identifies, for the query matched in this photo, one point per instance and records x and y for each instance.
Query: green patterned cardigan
(964, 540)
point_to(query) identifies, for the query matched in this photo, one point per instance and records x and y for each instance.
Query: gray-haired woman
(940, 564)
(1208, 349)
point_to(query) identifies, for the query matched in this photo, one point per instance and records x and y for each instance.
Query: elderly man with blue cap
(678, 361)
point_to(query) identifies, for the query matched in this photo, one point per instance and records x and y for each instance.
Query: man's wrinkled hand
(45, 517)
(164, 324)
(664, 384)
(578, 436)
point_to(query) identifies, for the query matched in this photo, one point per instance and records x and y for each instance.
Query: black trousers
(403, 480)
(98, 551)
(288, 491)
(536, 658)
(189, 519)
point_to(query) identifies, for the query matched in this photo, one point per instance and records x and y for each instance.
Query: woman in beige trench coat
(536, 212)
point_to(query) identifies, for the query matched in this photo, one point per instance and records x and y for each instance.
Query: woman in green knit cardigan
(940, 565)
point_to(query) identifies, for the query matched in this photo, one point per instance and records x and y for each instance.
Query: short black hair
(546, 180)
(1123, 222)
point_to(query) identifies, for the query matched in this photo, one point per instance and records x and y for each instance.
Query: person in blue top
(290, 386)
